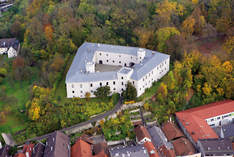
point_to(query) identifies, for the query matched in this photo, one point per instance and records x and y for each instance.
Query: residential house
(128, 151)
(57, 145)
(27, 151)
(171, 131)
(197, 122)
(143, 137)
(38, 150)
(4, 151)
(83, 148)
(10, 46)
(215, 147)
(164, 147)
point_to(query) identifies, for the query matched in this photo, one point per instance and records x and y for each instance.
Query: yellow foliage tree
(229, 45)
(227, 66)
(188, 26)
(206, 89)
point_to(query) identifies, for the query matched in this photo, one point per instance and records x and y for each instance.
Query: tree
(130, 93)
(163, 34)
(229, 46)
(102, 92)
(87, 95)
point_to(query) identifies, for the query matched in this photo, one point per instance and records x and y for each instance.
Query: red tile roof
(183, 147)
(141, 132)
(28, 148)
(81, 149)
(20, 155)
(171, 131)
(194, 119)
(151, 149)
(166, 152)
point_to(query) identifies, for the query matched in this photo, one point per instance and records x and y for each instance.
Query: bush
(130, 93)
(3, 72)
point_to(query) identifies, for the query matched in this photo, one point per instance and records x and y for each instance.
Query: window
(113, 61)
(81, 91)
(91, 91)
(119, 62)
(91, 85)
(81, 86)
(114, 89)
(119, 56)
(113, 82)
(106, 54)
(100, 54)
(122, 89)
(100, 84)
(122, 83)
(212, 120)
(72, 85)
(107, 83)
(122, 78)
(132, 82)
(73, 91)
(107, 60)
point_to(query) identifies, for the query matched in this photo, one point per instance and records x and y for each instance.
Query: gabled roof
(165, 152)
(158, 138)
(9, 42)
(57, 145)
(151, 149)
(129, 151)
(217, 147)
(183, 147)
(194, 119)
(141, 133)
(86, 53)
(81, 149)
(38, 150)
(28, 148)
(4, 151)
(171, 131)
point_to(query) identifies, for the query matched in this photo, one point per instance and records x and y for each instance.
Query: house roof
(4, 151)
(100, 148)
(228, 130)
(81, 149)
(171, 131)
(194, 119)
(20, 155)
(158, 138)
(151, 149)
(217, 147)
(129, 151)
(183, 147)
(9, 42)
(57, 145)
(86, 53)
(141, 133)
(28, 148)
(38, 150)
(165, 152)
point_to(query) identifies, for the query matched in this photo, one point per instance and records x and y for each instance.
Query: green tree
(130, 93)
(102, 92)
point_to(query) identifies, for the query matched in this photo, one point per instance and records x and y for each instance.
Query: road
(95, 119)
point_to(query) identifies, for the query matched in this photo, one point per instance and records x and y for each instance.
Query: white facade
(132, 65)
(220, 120)
(11, 52)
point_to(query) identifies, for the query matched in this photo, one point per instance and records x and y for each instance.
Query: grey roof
(4, 151)
(38, 150)
(216, 147)
(129, 151)
(124, 70)
(9, 42)
(86, 52)
(228, 130)
(57, 145)
(158, 138)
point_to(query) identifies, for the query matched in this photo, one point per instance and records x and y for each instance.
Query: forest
(198, 34)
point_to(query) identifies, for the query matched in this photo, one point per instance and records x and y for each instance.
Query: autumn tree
(163, 34)
(130, 93)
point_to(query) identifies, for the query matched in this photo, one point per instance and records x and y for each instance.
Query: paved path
(95, 119)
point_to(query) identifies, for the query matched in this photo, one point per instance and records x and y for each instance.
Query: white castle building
(96, 65)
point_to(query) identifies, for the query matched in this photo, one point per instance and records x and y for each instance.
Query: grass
(17, 95)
